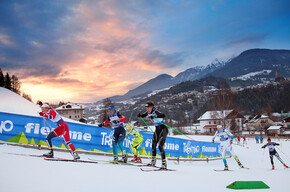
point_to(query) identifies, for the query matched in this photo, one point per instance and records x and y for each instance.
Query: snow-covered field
(25, 173)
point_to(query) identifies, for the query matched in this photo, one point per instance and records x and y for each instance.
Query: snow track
(26, 173)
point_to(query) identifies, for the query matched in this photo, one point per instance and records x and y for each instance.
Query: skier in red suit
(62, 129)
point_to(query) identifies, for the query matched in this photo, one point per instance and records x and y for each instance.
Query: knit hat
(111, 107)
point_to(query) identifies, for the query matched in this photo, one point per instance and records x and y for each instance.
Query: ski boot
(153, 162)
(134, 158)
(241, 166)
(139, 160)
(226, 167)
(273, 167)
(124, 158)
(115, 159)
(49, 154)
(75, 155)
(285, 165)
(164, 164)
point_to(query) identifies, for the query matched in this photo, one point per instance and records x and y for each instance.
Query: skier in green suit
(138, 139)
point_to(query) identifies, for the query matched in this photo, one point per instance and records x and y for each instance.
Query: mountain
(197, 72)
(259, 63)
(159, 82)
(164, 80)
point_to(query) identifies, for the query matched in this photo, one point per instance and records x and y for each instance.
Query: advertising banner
(33, 130)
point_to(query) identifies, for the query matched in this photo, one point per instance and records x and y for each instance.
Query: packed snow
(25, 173)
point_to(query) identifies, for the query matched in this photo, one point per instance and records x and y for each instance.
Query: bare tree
(104, 112)
(15, 84)
(26, 96)
(220, 102)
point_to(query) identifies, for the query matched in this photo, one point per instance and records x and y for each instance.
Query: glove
(101, 125)
(263, 147)
(41, 114)
(213, 140)
(116, 122)
(138, 115)
(152, 116)
(231, 141)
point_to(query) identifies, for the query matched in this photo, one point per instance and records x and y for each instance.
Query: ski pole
(59, 138)
(176, 130)
(282, 151)
(146, 124)
(129, 145)
(263, 155)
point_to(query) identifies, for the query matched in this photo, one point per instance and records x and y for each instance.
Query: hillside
(187, 101)
(164, 80)
(257, 60)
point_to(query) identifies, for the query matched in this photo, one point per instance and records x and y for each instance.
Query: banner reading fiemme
(33, 130)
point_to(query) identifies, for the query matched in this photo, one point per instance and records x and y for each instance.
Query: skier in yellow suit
(138, 139)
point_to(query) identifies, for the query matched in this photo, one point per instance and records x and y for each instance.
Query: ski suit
(137, 141)
(119, 132)
(62, 128)
(160, 133)
(225, 144)
(273, 152)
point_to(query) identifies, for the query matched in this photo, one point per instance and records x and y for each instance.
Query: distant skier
(226, 144)
(160, 133)
(119, 132)
(239, 139)
(261, 139)
(273, 152)
(138, 139)
(62, 129)
(257, 139)
(245, 141)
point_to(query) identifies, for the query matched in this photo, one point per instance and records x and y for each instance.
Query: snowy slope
(11, 102)
(23, 173)
(252, 74)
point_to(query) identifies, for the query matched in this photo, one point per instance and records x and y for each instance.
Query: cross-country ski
(158, 169)
(69, 160)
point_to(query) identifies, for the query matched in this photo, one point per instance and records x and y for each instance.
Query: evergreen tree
(2, 82)
(7, 81)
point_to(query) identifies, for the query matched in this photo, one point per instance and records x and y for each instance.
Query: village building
(230, 119)
(258, 123)
(72, 111)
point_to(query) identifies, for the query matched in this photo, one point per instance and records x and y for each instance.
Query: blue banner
(33, 130)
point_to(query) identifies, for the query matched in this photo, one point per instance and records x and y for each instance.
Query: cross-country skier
(62, 129)
(273, 152)
(137, 141)
(160, 133)
(226, 144)
(119, 132)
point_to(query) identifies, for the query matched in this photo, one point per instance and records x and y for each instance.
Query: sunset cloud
(83, 51)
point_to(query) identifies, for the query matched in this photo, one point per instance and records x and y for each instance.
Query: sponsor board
(33, 130)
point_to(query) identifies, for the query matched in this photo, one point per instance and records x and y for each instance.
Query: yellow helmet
(129, 128)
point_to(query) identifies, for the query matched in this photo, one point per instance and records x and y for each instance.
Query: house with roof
(258, 123)
(275, 130)
(72, 111)
(230, 119)
(286, 126)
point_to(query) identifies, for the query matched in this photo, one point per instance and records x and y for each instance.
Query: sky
(84, 51)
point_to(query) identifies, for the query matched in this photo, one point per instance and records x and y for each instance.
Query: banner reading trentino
(33, 130)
